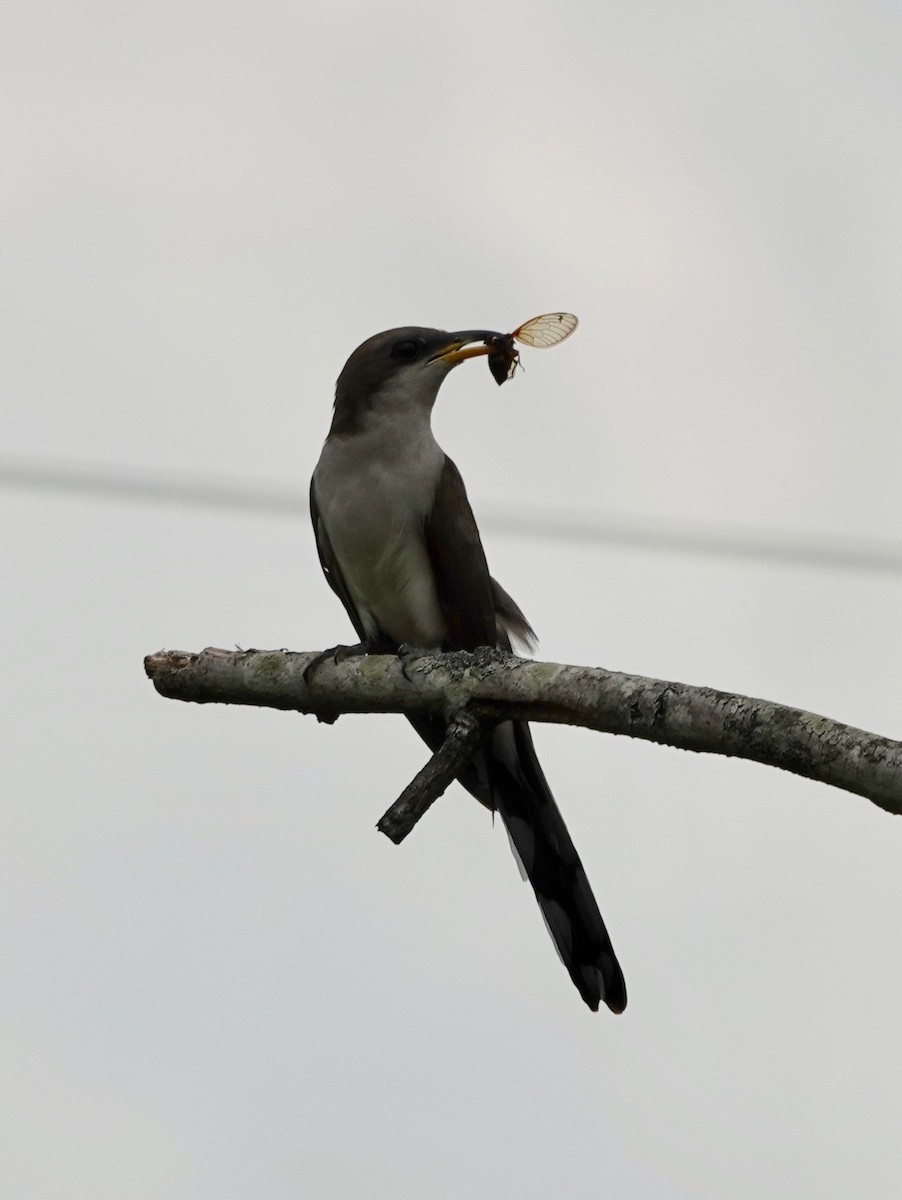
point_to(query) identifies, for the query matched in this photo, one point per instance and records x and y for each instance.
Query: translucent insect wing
(546, 330)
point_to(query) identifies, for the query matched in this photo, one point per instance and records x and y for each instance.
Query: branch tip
(459, 746)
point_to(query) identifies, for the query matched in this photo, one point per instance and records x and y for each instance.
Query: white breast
(374, 490)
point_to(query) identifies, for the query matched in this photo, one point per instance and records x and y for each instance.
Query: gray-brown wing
(462, 580)
(329, 564)
(512, 625)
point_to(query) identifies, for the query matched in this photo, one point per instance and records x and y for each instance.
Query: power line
(798, 549)
(118, 483)
(713, 539)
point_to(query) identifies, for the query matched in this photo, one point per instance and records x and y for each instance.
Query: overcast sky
(216, 978)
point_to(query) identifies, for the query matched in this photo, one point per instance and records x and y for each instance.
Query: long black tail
(506, 775)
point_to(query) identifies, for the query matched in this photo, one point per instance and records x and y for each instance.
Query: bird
(400, 547)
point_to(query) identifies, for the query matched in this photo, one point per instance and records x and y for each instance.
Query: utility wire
(119, 483)
(798, 549)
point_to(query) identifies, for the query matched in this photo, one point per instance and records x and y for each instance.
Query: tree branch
(490, 686)
(459, 746)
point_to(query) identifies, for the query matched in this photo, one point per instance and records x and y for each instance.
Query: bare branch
(459, 746)
(494, 686)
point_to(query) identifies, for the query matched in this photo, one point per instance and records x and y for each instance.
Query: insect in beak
(538, 332)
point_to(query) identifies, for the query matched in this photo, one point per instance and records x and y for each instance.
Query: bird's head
(400, 370)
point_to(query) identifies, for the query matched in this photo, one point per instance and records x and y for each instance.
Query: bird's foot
(409, 655)
(337, 654)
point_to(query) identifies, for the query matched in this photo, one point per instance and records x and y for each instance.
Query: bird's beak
(459, 346)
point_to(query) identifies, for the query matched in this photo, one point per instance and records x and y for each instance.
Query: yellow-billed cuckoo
(399, 545)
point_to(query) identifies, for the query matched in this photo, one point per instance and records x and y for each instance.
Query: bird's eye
(405, 351)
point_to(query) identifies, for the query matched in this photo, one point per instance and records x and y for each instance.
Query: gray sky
(217, 979)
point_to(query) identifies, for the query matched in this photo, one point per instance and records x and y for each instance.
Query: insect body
(504, 357)
(539, 332)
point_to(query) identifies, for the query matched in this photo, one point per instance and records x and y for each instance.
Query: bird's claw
(408, 656)
(337, 654)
